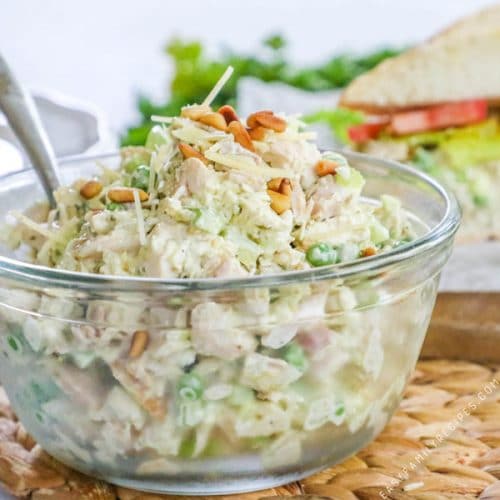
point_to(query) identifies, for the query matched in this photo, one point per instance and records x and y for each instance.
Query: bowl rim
(60, 278)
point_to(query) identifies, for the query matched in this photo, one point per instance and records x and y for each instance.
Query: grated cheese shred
(218, 86)
(31, 224)
(140, 218)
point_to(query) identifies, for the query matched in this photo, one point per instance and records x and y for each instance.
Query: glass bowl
(219, 386)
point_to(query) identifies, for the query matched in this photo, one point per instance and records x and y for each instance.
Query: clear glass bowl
(219, 386)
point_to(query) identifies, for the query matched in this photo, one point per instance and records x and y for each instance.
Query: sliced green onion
(190, 387)
(191, 413)
(321, 254)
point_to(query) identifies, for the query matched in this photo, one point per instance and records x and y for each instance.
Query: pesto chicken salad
(212, 196)
(153, 382)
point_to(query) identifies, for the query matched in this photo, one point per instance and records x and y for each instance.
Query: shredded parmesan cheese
(245, 164)
(162, 119)
(151, 185)
(62, 213)
(218, 86)
(140, 218)
(31, 224)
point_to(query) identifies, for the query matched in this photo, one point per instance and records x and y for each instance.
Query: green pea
(295, 355)
(321, 254)
(140, 177)
(190, 387)
(115, 206)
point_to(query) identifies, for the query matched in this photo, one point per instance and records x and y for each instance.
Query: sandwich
(436, 106)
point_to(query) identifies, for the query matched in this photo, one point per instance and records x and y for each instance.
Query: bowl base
(215, 487)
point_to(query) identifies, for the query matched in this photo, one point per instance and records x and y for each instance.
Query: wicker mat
(443, 443)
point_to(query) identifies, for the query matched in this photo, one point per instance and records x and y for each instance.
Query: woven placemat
(443, 443)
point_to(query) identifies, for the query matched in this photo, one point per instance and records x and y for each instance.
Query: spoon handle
(21, 113)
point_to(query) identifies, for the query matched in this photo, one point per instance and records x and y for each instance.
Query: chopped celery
(206, 220)
(350, 178)
(390, 204)
(295, 355)
(378, 232)
(188, 446)
(348, 252)
(241, 396)
(157, 136)
(140, 177)
(132, 160)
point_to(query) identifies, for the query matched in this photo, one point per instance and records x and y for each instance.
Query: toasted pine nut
(279, 202)
(215, 120)
(90, 189)
(368, 252)
(285, 187)
(274, 184)
(189, 152)
(126, 195)
(252, 120)
(139, 343)
(280, 185)
(195, 112)
(241, 135)
(228, 113)
(268, 120)
(258, 133)
(326, 167)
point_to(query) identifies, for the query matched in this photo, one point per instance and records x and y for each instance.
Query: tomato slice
(440, 116)
(366, 131)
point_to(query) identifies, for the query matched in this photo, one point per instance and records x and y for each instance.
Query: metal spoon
(21, 113)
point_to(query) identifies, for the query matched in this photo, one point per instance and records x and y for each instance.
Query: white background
(105, 51)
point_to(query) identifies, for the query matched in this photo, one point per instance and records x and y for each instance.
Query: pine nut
(139, 343)
(228, 113)
(241, 135)
(326, 167)
(279, 202)
(215, 120)
(189, 152)
(258, 133)
(90, 189)
(126, 195)
(267, 119)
